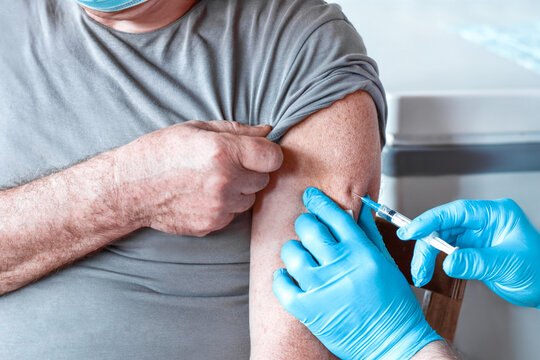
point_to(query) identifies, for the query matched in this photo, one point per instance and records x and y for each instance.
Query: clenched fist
(192, 178)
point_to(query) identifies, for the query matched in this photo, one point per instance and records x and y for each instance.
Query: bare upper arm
(336, 150)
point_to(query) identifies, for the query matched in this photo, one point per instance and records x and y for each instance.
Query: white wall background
(416, 49)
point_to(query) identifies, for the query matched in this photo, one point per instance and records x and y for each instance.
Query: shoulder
(51, 8)
(292, 17)
(23, 22)
(284, 22)
(305, 14)
(39, 15)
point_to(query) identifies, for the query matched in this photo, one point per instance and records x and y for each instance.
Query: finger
(367, 223)
(223, 222)
(299, 264)
(287, 292)
(477, 264)
(461, 213)
(450, 235)
(251, 182)
(243, 203)
(233, 127)
(316, 238)
(423, 263)
(341, 224)
(258, 154)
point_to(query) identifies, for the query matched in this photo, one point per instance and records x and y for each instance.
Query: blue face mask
(110, 5)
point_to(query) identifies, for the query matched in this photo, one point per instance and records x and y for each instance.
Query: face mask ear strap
(110, 5)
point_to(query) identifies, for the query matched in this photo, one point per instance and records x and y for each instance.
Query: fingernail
(262, 125)
(276, 273)
(418, 282)
(401, 233)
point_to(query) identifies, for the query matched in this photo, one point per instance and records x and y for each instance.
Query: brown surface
(447, 293)
(443, 314)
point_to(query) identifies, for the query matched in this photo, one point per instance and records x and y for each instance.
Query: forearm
(55, 220)
(183, 180)
(436, 350)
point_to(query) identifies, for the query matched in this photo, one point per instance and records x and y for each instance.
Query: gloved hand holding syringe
(342, 283)
(401, 220)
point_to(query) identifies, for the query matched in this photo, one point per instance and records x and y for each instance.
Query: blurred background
(463, 83)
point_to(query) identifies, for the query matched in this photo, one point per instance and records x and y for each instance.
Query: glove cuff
(413, 342)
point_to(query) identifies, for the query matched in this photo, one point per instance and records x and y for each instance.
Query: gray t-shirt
(71, 88)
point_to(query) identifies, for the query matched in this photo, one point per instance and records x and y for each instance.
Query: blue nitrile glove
(350, 293)
(497, 242)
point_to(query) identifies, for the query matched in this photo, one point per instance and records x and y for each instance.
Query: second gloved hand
(350, 293)
(497, 242)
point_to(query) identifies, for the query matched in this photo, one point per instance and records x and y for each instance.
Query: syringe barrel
(434, 240)
(400, 220)
(393, 216)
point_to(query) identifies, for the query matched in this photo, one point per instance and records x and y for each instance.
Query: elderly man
(143, 250)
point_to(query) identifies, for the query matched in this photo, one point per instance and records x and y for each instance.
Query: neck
(148, 16)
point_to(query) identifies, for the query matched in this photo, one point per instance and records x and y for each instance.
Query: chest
(65, 99)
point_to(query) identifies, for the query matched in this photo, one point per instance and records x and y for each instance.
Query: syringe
(400, 220)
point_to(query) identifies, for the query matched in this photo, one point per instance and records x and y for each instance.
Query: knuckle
(196, 126)
(509, 209)
(217, 147)
(232, 127)
(219, 183)
(194, 123)
(470, 205)
(476, 208)
(218, 204)
(217, 207)
(440, 218)
(461, 204)
(218, 125)
(506, 202)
